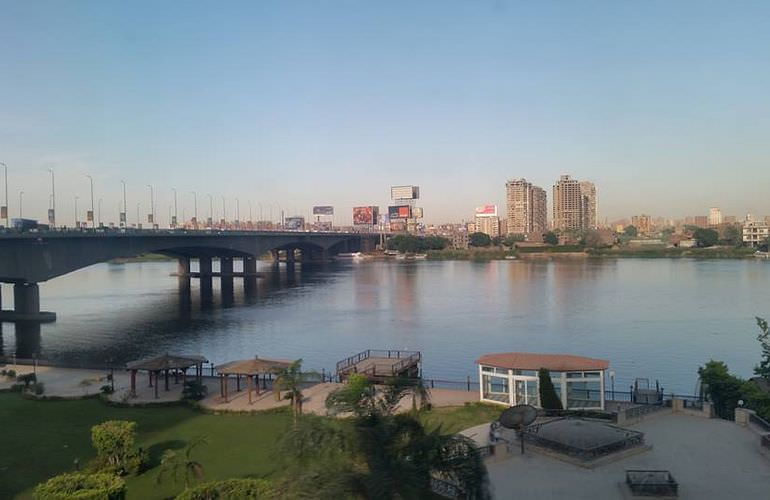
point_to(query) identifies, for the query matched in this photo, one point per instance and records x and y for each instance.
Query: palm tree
(379, 453)
(290, 380)
(181, 465)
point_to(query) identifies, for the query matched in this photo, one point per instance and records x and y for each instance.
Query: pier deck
(380, 365)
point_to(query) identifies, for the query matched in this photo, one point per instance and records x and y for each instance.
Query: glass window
(574, 374)
(495, 388)
(487, 369)
(533, 394)
(592, 374)
(584, 394)
(528, 373)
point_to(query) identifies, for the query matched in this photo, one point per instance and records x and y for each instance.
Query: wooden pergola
(251, 369)
(166, 363)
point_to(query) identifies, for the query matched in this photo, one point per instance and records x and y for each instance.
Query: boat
(762, 255)
(420, 256)
(350, 255)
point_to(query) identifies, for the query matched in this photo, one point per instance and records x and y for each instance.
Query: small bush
(229, 488)
(107, 389)
(10, 373)
(114, 444)
(27, 378)
(82, 486)
(193, 391)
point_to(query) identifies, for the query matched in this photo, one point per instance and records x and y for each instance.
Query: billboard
(486, 211)
(323, 210)
(398, 226)
(399, 212)
(404, 192)
(365, 215)
(294, 223)
(417, 213)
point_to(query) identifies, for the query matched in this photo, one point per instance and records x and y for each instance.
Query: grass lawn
(43, 438)
(457, 418)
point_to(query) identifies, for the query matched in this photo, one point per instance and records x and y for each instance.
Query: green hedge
(237, 489)
(82, 486)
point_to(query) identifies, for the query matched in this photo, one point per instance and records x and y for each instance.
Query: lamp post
(77, 222)
(237, 213)
(21, 204)
(195, 209)
(174, 220)
(124, 222)
(7, 208)
(52, 215)
(612, 381)
(138, 216)
(152, 207)
(251, 220)
(224, 212)
(99, 212)
(211, 211)
(93, 220)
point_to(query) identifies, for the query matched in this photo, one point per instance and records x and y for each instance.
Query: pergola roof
(166, 362)
(256, 366)
(535, 361)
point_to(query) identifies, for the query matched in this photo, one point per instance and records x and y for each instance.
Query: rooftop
(535, 361)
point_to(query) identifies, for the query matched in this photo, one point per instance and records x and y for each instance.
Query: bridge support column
(26, 300)
(183, 273)
(290, 256)
(204, 270)
(249, 275)
(226, 279)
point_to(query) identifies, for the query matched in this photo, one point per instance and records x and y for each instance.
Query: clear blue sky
(664, 105)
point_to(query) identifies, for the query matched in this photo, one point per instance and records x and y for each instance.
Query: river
(653, 318)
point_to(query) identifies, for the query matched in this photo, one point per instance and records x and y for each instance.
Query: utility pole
(124, 215)
(21, 204)
(175, 209)
(195, 209)
(52, 215)
(152, 207)
(7, 208)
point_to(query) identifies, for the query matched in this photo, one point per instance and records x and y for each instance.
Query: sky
(663, 105)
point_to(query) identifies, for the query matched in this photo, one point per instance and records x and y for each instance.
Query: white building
(511, 378)
(755, 232)
(715, 216)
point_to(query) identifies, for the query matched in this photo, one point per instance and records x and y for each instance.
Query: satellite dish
(518, 417)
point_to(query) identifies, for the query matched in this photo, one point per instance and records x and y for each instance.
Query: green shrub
(193, 391)
(240, 489)
(107, 389)
(114, 443)
(549, 400)
(82, 486)
(17, 388)
(10, 373)
(27, 378)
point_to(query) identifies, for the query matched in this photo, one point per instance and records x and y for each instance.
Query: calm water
(651, 318)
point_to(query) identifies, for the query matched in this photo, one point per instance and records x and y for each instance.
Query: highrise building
(488, 224)
(588, 200)
(526, 208)
(642, 223)
(715, 216)
(568, 205)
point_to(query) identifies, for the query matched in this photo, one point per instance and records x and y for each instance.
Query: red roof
(535, 361)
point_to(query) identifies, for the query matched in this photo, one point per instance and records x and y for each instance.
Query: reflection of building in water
(367, 287)
(404, 292)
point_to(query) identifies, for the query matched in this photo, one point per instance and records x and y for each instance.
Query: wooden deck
(380, 365)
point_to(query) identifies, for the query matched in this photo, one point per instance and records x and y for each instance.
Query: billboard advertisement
(294, 223)
(323, 210)
(365, 215)
(399, 212)
(486, 211)
(398, 226)
(417, 213)
(404, 192)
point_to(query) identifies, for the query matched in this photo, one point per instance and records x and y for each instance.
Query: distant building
(574, 204)
(459, 239)
(642, 223)
(526, 210)
(715, 217)
(701, 221)
(755, 232)
(488, 224)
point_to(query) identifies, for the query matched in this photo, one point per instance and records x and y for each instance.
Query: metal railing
(652, 483)
(759, 421)
(632, 438)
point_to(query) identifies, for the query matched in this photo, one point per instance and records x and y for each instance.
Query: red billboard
(487, 210)
(400, 212)
(365, 215)
(397, 226)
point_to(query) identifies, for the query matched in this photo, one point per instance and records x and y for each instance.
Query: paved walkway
(710, 458)
(70, 382)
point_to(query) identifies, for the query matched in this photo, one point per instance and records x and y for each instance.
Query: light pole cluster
(94, 212)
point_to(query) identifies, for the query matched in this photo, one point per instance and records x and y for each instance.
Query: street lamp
(211, 211)
(124, 216)
(138, 216)
(7, 208)
(152, 207)
(77, 222)
(237, 212)
(99, 212)
(93, 221)
(224, 212)
(195, 209)
(21, 204)
(52, 215)
(174, 219)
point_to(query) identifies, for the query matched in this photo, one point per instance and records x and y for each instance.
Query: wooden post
(149, 376)
(257, 385)
(225, 379)
(157, 373)
(166, 377)
(237, 382)
(248, 383)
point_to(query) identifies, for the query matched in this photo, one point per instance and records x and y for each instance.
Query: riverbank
(695, 253)
(148, 257)
(478, 254)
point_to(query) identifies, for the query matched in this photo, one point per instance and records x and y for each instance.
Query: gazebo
(251, 369)
(511, 378)
(166, 363)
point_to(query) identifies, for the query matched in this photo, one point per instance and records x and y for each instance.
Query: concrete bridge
(29, 258)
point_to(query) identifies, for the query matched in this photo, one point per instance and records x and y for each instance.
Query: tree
(512, 239)
(379, 453)
(723, 389)
(479, 240)
(290, 380)
(549, 400)
(230, 488)
(497, 241)
(631, 231)
(706, 237)
(733, 236)
(114, 443)
(593, 239)
(182, 465)
(551, 238)
(763, 368)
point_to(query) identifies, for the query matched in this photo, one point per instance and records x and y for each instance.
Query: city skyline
(304, 104)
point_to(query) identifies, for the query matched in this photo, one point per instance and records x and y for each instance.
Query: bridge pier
(183, 273)
(26, 305)
(204, 270)
(290, 256)
(249, 275)
(226, 280)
